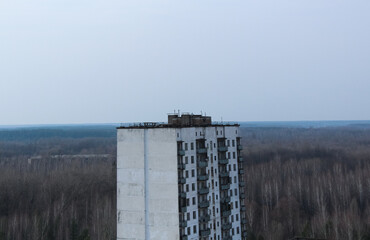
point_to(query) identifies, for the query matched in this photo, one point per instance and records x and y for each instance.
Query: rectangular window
(186, 160)
(186, 146)
(235, 191)
(192, 159)
(194, 201)
(189, 231)
(187, 187)
(187, 202)
(186, 173)
(237, 217)
(234, 167)
(193, 173)
(193, 186)
(233, 142)
(236, 204)
(228, 155)
(228, 143)
(237, 230)
(194, 214)
(234, 155)
(192, 146)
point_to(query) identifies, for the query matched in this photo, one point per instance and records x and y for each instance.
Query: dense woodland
(308, 182)
(58, 184)
(61, 183)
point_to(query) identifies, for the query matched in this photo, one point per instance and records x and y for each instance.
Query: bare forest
(312, 182)
(307, 182)
(58, 185)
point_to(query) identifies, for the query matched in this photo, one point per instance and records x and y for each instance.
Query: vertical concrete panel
(130, 184)
(147, 194)
(163, 186)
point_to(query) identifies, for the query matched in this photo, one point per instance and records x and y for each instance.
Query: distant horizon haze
(134, 61)
(304, 124)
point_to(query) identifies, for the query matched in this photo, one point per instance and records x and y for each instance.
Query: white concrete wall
(153, 175)
(163, 185)
(130, 184)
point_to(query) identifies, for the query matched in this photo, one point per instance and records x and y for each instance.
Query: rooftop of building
(177, 120)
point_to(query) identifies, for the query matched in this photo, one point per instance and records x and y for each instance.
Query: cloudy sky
(103, 61)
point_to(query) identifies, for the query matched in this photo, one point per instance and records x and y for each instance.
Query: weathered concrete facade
(147, 195)
(182, 180)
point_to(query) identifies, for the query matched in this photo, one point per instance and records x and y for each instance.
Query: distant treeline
(29, 134)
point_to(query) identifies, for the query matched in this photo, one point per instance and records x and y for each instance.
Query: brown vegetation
(48, 196)
(300, 182)
(308, 182)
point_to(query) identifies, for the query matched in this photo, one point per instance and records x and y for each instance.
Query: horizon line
(114, 124)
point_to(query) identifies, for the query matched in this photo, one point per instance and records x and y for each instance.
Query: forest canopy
(60, 183)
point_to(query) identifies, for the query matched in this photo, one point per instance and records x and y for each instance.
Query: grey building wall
(147, 194)
(158, 183)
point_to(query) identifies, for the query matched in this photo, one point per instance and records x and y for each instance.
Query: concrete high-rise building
(180, 180)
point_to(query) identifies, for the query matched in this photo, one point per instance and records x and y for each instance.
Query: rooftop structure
(180, 121)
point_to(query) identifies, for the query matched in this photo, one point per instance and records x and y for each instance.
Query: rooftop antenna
(221, 120)
(201, 112)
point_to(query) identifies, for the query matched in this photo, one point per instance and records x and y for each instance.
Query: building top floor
(177, 120)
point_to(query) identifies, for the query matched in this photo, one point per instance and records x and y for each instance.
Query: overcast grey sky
(68, 61)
